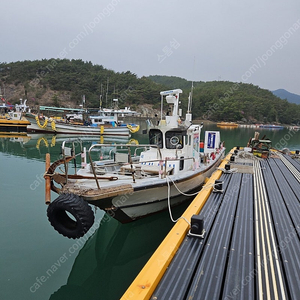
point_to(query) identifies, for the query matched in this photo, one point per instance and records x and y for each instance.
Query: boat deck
(251, 247)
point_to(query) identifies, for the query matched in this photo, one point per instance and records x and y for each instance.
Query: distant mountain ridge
(283, 94)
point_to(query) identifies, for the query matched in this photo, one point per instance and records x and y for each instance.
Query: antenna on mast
(106, 90)
(101, 93)
(188, 117)
(190, 99)
(191, 92)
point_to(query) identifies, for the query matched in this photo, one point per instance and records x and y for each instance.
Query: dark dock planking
(251, 247)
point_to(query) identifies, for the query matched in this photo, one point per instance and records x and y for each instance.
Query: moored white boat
(100, 124)
(134, 181)
(49, 125)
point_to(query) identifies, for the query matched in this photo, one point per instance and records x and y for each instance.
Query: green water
(38, 263)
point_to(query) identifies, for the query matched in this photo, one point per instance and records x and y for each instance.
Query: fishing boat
(132, 181)
(270, 126)
(103, 123)
(13, 121)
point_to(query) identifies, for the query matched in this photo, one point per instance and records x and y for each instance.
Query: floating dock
(251, 246)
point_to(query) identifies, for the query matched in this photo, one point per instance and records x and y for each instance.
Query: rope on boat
(169, 203)
(247, 155)
(233, 170)
(184, 194)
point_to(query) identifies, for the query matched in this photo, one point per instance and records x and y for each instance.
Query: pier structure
(250, 248)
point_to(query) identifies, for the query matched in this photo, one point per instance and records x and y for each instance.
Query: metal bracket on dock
(197, 229)
(201, 236)
(218, 186)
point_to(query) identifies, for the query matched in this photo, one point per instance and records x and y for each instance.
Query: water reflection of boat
(113, 256)
(35, 146)
(227, 125)
(53, 139)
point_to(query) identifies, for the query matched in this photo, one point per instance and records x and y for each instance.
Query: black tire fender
(74, 205)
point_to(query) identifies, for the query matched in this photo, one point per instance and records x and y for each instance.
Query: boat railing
(70, 151)
(162, 162)
(127, 159)
(122, 147)
(113, 151)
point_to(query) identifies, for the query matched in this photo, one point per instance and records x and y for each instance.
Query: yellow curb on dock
(145, 283)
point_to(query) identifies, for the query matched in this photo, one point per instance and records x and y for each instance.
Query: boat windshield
(156, 137)
(174, 140)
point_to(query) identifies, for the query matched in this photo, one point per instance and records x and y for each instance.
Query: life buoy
(83, 216)
(133, 142)
(133, 128)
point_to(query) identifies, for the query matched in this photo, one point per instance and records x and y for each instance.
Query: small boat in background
(270, 126)
(227, 124)
(73, 122)
(13, 121)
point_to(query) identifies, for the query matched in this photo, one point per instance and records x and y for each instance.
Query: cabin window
(156, 138)
(174, 140)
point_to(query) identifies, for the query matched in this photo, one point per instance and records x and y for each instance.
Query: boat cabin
(171, 139)
(176, 143)
(173, 144)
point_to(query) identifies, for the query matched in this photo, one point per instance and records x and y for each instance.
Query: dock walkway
(251, 247)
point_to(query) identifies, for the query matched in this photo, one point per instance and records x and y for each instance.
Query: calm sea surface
(38, 263)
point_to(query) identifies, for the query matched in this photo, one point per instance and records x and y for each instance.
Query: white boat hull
(152, 196)
(61, 128)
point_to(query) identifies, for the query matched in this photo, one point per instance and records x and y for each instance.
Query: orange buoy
(47, 181)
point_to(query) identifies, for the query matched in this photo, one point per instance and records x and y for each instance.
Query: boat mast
(106, 91)
(101, 92)
(172, 98)
(190, 99)
(188, 116)
(83, 101)
(161, 106)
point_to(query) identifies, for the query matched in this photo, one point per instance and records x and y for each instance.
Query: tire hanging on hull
(59, 212)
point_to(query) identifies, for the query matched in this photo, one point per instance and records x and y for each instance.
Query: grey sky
(254, 41)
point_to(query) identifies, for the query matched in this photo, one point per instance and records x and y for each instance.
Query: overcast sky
(254, 41)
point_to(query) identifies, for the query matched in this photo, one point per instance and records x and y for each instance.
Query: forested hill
(60, 82)
(57, 82)
(230, 101)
